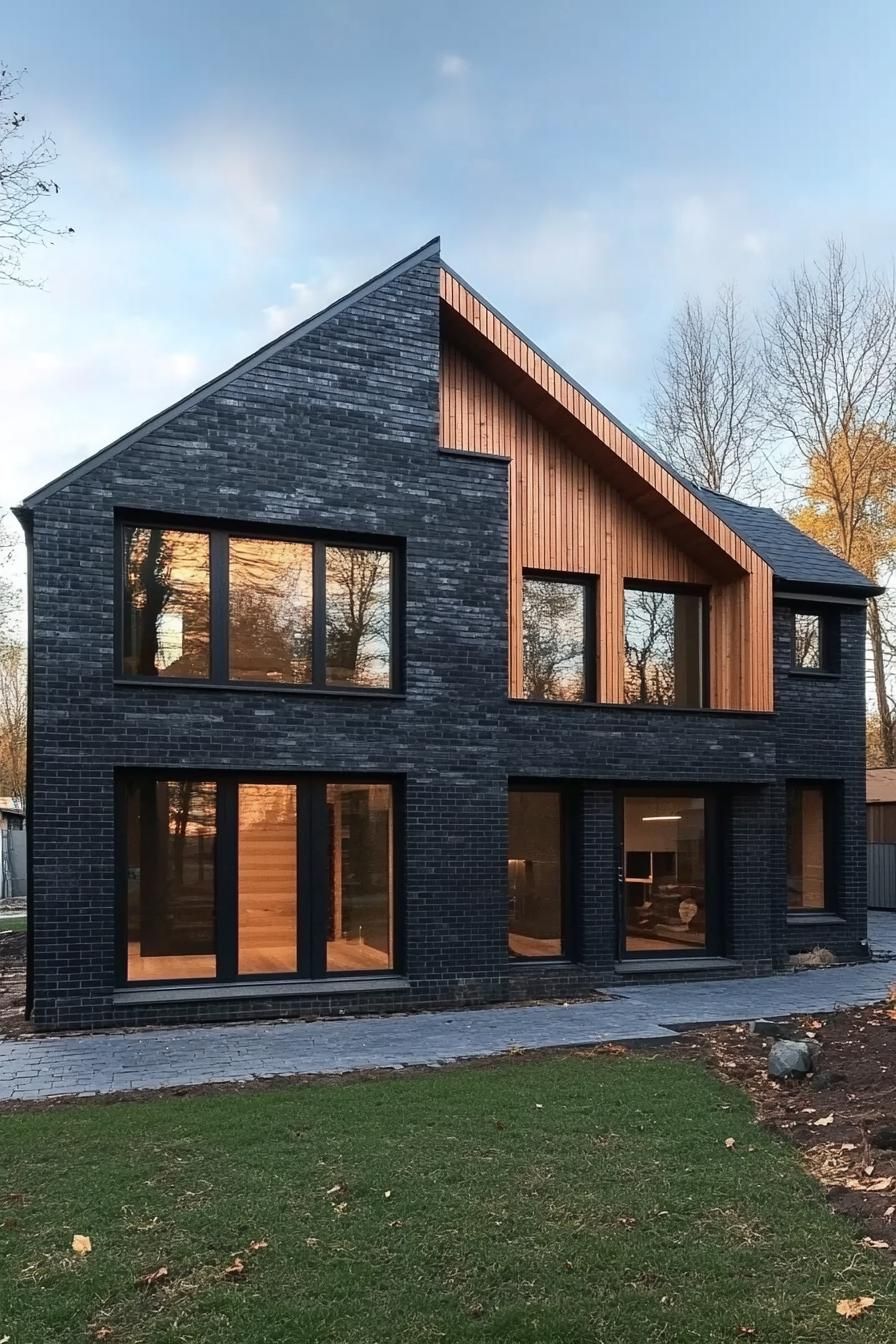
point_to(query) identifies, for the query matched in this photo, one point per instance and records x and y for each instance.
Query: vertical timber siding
(565, 517)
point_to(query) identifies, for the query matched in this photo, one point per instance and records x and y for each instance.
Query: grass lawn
(561, 1200)
(11, 923)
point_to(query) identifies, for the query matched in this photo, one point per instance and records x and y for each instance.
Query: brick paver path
(40, 1067)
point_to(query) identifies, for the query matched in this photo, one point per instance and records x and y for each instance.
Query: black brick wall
(340, 431)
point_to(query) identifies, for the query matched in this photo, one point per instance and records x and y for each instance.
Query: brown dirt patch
(842, 1119)
(12, 984)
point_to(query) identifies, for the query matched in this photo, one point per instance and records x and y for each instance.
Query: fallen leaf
(153, 1277)
(335, 1189)
(854, 1306)
(81, 1245)
(104, 1332)
(825, 1120)
(234, 1270)
(340, 1208)
(311, 1241)
(538, 1106)
(387, 1194)
(258, 1245)
(888, 1213)
(875, 1245)
(746, 1330)
(729, 1143)
(396, 1222)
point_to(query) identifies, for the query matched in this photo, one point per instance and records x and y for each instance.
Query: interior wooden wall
(564, 517)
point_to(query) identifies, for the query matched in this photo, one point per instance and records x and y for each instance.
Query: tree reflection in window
(270, 610)
(166, 617)
(663, 647)
(358, 619)
(806, 639)
(553, 639)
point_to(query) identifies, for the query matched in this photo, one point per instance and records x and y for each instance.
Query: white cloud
(452, 66)
(306, 299)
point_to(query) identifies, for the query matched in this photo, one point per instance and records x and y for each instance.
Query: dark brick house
(387, 670)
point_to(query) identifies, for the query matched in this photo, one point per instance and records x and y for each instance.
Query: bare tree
(705, 413)
(829, 353)
(10, 597)
(24, 184)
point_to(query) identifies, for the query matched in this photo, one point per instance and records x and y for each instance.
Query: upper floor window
(558, 638)
(233, 608)
(815, 645)
(665, 646)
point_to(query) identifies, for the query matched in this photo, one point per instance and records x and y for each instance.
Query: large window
(229, 878)
(664, 875)
(233, 609)
(558, 639)
(807, 884)
(535, 872)
(665, 640)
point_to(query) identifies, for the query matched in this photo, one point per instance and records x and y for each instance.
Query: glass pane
(553, 640)
(270, 610)
(166, 603)
(359, 616)
(664, 875)
(535, 873)
(267, 879)
(806, 639)
(359, 934)
(805, 848)
(663, 648)
(171, 879)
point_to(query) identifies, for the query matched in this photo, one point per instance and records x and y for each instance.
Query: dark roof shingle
(793, 556)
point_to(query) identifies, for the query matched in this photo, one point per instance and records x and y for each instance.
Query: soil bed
(12, 984)
(843, 1118)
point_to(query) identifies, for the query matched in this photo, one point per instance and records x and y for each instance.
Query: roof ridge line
(244, 365)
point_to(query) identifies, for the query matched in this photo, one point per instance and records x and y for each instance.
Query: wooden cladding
(574, 509)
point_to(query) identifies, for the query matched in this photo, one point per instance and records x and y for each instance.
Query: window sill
(257, 989)
(529, 964)
(797, 918)
(644, 709)
(665, 965)
(813, 673)
(254, 687)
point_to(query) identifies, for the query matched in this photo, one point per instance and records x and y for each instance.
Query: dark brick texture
(340, 431)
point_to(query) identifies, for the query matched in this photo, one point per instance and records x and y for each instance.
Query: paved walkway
(40, 1067)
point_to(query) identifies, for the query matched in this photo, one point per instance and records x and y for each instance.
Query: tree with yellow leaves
(829, 350)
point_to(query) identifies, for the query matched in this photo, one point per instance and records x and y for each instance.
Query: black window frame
(590, 610)
(219, 534)
(832, 847)
(828, 639)
(570, 829)
(312, 876)
(690, 589)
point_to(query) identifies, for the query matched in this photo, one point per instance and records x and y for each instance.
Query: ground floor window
(536, 872)
(228, 877)
(807, 844)
(664, 897)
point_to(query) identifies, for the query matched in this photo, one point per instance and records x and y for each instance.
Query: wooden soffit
(566, 409)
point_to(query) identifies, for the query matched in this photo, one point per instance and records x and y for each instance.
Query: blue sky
(230, 168)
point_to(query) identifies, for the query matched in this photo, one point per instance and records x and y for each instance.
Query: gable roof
(430, 249)
(794, 557)
(661, 493)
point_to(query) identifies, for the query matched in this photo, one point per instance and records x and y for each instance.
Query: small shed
(880, 796)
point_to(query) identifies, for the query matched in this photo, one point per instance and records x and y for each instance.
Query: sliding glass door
(668, 891)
